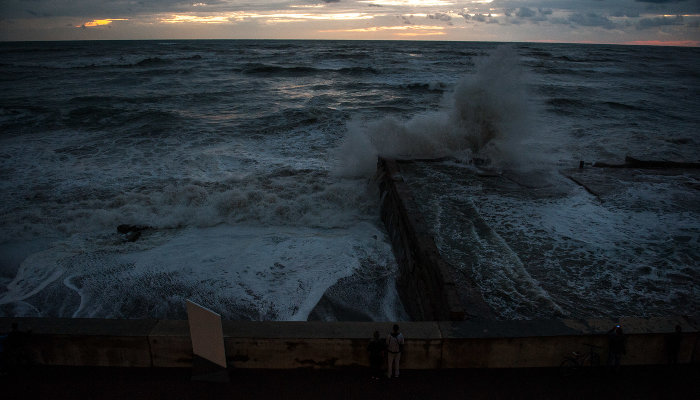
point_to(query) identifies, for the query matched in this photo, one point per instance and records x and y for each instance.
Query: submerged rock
(132, 233)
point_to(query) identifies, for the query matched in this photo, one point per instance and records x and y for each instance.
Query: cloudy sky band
(675, 22)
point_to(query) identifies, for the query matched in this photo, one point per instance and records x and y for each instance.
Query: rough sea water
(248, 168)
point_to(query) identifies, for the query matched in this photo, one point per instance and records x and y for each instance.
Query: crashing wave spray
(487, 115)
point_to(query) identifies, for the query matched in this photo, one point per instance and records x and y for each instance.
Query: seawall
(285, 345)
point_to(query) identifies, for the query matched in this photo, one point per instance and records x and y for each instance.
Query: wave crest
(487, 115)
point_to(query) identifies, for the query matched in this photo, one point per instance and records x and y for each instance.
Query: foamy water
(554, 249)
(251, 162)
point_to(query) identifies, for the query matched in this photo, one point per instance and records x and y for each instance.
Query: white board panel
(206, 333)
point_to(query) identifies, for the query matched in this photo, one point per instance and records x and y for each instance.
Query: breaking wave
(486, 116)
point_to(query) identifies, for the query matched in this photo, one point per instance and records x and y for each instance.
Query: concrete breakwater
(284, 345)
(425, 282)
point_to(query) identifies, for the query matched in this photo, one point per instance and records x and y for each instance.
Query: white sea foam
(556, 249)
(618, 260)
(242, 272)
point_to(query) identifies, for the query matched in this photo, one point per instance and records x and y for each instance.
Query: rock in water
(132, 232)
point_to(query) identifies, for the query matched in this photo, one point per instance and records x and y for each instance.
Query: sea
(243, 176)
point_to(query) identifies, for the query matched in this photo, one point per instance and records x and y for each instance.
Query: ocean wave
(431, 87)
(566, 102)
(538, 53)
(340, 55)
(108, 116)
(147, 63)
(276, 70)
(152, 62)
(567, 106)
(462, 53)
(356, 71)
(265, 69)
(587, 59)
(107, 63)
(29, 48)
(549, 69)
(487, 114)
(615, 105)
(285, 197)
(584, 105)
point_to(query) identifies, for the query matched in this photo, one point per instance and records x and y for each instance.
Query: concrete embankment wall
(425, 284)
(279, 345)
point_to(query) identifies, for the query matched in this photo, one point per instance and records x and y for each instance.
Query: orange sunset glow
(101, 22)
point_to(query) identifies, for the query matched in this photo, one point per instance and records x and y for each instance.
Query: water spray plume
(486, 116)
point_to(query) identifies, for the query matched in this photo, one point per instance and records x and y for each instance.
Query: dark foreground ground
(132, 383)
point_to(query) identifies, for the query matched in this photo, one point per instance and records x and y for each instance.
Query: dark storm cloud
(24, 8)
(591, 19)
(476, 17)
(525, 12)
(580, 13)
(607, 7)
(647, 23)
(36, 14)
(92, 8)
(575, 5)
(331, 1)
(440, 17)
(487, 18)
(668, 7)
(659, 1)
(629, 14)
(608, 15)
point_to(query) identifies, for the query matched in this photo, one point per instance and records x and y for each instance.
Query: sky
(655, 22)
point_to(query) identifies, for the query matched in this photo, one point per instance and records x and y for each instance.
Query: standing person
(15, 347)
(3, 371)
(394, 347)
(376, 349)
(616, 341)
(673, 345)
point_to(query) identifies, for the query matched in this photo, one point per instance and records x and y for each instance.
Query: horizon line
(654, 43)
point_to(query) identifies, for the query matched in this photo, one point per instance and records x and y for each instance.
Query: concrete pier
(425, 283)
